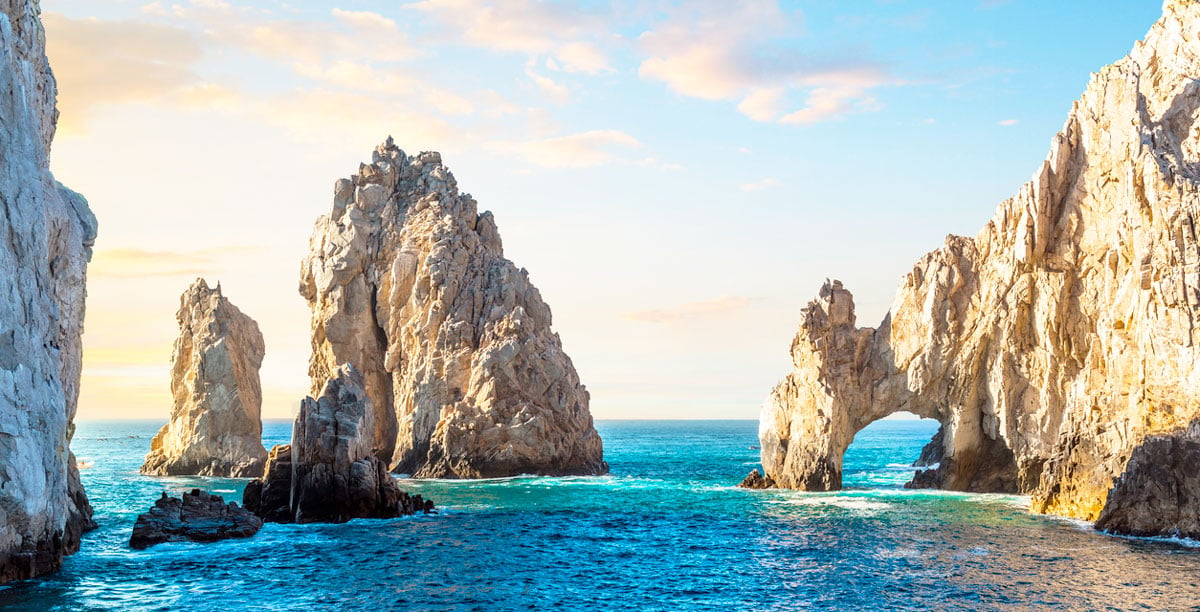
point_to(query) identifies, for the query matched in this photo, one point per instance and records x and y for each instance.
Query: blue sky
(678, 178)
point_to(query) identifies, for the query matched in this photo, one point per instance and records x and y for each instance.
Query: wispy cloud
(723, 306)
(590, 148)
(140, 263)
(724, 51)
(1007, 122)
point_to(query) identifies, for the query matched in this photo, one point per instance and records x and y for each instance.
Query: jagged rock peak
(408, 281)
(216, 423)
(1064, 333)
(46, 237)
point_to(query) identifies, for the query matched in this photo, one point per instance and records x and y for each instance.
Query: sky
(679, 178)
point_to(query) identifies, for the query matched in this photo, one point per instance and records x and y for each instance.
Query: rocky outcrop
(1056, 340)
(1159, 492)
(196, 517)
(216, 425)
(755, 480)
(408, 282)
(329, 471)
(46, 236)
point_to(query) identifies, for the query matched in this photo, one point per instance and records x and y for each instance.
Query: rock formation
(46, 235)
(1159, 492)
(196, 517)
(1056, 340)
(408, 282)
(329, 471)
(216, 425)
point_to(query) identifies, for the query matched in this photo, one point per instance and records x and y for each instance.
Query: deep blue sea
(666, 530)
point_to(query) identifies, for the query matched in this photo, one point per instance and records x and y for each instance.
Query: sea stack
(46, 237)
(408, 282)
(329, 473)
(1054, 343)
(216, 425)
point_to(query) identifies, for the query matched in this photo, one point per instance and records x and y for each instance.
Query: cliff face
(216, 422)
(46, 235)
(408, 282)
(1059, 337)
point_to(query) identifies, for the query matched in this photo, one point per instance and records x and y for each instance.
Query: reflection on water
(665, 531)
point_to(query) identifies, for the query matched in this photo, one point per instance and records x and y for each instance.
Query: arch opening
(892, 453)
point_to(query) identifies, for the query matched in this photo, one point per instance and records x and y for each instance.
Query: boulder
(195, 517)
(1158, 494)
(329, 474)
(216, 425)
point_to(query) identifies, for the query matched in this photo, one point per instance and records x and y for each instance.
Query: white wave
(846, 503)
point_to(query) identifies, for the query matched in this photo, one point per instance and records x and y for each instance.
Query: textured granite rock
(216, 424)
(1158, 494)
(196, 517)
(329, 471)
(408, 281)
(1056, 340)
(46, 235)
(755, 480)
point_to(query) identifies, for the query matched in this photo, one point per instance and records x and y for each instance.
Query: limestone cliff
(1060, 336)
(46, 235)
(408, 282)
(216, 423)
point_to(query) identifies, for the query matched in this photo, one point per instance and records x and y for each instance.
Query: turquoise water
(665, 531)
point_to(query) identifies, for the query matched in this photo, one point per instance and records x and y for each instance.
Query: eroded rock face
(408, 282)
(195, 517)
(1158, 494)
(46, 237)
(329, 472)
(1057, 339)
(216, 423)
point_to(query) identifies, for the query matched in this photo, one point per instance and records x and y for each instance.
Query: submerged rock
(216, 425)
(1056, 340)
(329, 474)
(1159, 492)
(46, 237)
(408, 281)
(755, 480)
(196, 517)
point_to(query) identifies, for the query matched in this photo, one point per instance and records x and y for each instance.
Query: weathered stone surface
(216, 424)
(46, 235)
(1159, 492)
(408, 282)
(1054, 341)
(196, 517)
(329, 473)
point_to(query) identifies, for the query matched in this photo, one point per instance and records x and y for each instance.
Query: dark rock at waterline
(196, 517)
(755, 480)
(932, 453)
(1158, 494)
(329, 473)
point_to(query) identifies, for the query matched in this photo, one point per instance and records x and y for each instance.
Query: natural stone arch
(846, 378)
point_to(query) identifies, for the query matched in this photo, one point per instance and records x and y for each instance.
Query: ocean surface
(666, 530)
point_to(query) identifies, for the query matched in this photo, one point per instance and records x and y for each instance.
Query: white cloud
(1007, 122)
(723, 51)
(555, 91)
